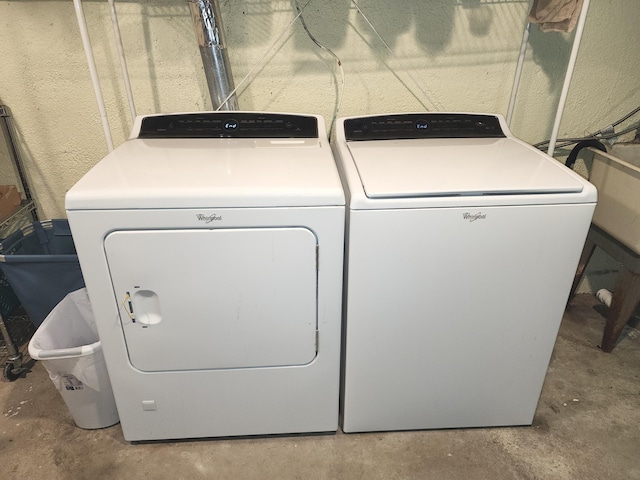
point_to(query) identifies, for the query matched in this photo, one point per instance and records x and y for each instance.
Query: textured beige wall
(463, 53)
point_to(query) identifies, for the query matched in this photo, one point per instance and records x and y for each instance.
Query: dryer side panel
(215, 299)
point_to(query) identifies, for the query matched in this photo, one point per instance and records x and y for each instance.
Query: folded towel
(555, 15)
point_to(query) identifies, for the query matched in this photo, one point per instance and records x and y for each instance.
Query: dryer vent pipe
(210, 34)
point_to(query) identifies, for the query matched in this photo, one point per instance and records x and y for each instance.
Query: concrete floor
(587, 426)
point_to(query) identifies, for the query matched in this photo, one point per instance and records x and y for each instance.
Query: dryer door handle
(146, 307)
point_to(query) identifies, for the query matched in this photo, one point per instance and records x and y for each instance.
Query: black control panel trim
(422, 125)
(229, 125)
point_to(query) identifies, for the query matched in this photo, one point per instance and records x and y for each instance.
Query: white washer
(212, 245)
(462, 245)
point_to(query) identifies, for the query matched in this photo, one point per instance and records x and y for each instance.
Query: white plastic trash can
(68, 346)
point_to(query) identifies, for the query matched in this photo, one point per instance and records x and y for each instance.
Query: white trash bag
(68, 346)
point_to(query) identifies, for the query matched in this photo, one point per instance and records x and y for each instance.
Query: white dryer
(212, 245)
(462, 245)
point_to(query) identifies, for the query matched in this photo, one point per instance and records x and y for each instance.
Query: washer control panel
(229, 125)
(422, 125)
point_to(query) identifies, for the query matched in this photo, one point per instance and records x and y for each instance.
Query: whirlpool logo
(209, 218)
(472, 217)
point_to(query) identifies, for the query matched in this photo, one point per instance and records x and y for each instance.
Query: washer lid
(457, 167)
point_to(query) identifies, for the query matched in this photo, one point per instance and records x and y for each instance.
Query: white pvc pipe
(123, 62)
(86, 43)
(567, 78)
(516, 80)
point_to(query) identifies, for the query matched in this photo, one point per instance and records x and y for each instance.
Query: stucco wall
(462, 53)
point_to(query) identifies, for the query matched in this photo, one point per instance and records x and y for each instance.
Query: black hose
(571, 159)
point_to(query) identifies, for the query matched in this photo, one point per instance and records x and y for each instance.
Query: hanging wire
(338, 63)
(605, 133)
(300, 10)
(627, 116)
(264, 55)
(433, 102)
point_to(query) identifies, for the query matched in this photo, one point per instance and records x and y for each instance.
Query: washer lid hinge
(317, 335)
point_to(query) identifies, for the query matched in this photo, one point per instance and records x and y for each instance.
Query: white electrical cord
(264, 55)
(433, 102)
(338, 63)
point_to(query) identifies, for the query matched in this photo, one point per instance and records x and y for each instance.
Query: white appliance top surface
(203, 172)
(457, 167)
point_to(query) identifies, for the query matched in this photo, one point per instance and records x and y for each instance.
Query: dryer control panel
(423, 125)
(229, 125)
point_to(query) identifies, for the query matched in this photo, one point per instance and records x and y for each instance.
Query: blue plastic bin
(8, 299)
(40, 263)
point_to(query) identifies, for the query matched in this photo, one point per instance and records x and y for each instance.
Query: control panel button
(421, 124)
(230, 125)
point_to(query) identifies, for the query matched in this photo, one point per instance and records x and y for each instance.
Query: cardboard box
(10, 200)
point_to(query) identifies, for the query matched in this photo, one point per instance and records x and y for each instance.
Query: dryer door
(214, 299)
